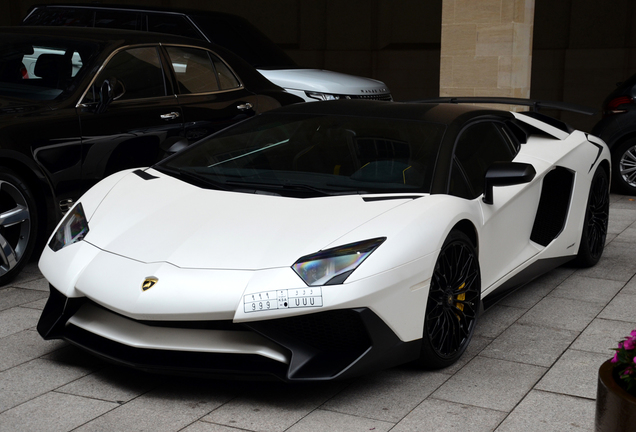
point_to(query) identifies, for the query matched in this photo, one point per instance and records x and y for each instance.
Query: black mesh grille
(553, 206)
(382, 97)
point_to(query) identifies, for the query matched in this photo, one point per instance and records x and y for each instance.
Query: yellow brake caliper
(461, 297)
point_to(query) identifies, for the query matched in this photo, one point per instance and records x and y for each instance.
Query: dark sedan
(79, 104)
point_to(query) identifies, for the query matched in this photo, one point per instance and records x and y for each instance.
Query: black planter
(615, 408)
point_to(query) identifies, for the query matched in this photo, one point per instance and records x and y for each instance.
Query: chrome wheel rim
(598, 215)
(627, 166)
(15, 225)
(453, 299)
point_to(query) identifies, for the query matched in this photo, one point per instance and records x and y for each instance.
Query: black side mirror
(110, 90)
(506, 174)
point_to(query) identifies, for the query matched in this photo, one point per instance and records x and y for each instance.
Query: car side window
(139, 72)
(200, 71)
(171, 24)
(477, 147)
(117, 19)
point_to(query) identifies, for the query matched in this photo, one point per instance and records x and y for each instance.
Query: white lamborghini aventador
(325, 240)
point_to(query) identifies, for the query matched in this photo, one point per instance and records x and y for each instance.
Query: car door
(128, 131)
(504, 243)
(210, 94)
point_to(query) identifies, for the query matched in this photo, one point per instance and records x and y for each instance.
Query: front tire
(453, 303)
(595, 224)
(18, 224)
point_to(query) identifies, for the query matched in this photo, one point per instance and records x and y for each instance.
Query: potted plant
(616, 393)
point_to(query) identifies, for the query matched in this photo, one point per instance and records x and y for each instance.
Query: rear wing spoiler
(536, 105)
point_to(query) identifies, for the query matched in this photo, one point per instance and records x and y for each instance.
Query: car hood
(163, 219)
(324, 81)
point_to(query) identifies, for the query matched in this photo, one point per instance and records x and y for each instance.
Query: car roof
(122, 37)
(138, 8)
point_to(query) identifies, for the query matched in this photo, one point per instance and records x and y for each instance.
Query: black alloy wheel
(18, 222)
(595, 224)
(624, 167)
(453, 303)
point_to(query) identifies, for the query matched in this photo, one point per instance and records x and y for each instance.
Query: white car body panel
(222, 255)
(300, 81)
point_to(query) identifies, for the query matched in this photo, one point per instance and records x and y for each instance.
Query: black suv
(229, 31)
(77, 104)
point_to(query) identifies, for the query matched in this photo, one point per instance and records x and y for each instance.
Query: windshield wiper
(294, 186)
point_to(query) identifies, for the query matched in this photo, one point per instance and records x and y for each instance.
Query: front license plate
(283, 299)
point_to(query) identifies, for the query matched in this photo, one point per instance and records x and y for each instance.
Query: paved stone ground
(532, 366)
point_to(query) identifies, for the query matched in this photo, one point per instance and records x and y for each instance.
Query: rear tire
(18, 224)
(453, 303)
(624, 167)
(594, 231)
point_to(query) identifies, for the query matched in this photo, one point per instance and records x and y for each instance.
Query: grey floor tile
(527, 296)
(575, 374)
(39, 284)
(201, 426)
(38, 304)
(321, 420)
(630, 287)
(166, 409)
(602, 335)
(387, 395)
(538, 413)
(497, 319)
(562, 313)
(29, 380)
(70, 355)
(621, 308)
(10, 297)
(113, 384)
(477, 344)
(24, 346)
(443, 416)
(620, 219)
(490, 383)
(617, 263)
(540, 346)
(17, 319)
(272, 410)
(26, 276)
(588, 289)
(53, 412)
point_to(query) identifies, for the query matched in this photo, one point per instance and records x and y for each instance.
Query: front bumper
(325, 345)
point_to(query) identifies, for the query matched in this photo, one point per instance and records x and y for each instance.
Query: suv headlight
(333, 266)
(325, 96)
(73, 229)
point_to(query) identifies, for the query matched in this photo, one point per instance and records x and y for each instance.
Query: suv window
(477, 147)
(200, 71)
(118, 19)
(57, 16)
(171, 24)
(138, 70)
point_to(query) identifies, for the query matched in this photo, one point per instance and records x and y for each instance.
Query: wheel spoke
(8, 258)
(14, 216)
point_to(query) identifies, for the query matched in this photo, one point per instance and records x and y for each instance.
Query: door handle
(244, 107)
(171, 116)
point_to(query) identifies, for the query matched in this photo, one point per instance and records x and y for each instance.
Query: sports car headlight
(333, 266)
(73, 229)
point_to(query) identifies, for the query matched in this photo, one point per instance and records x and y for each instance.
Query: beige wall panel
(475, 72)
(495, 40)
(479, 12)
(459, 39)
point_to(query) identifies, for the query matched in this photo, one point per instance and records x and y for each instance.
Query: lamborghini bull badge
(149, 282)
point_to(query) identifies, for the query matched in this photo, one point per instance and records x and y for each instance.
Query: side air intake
(553, 206)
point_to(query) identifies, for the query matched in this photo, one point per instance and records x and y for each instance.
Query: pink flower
(633, 333)
(634, 360)
(615, 359)
(630, 344)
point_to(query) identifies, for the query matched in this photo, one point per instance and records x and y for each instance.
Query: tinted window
(55, 16)
(171, 24)
(117, 19)
(42, 68)
(476, 149)
(138, 70)
(194, 70)
(200, 71)
(340, 154)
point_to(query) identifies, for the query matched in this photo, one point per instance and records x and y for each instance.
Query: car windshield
(309, 155)
(42, 68)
